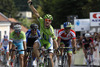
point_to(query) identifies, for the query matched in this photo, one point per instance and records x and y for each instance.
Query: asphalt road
(2, 65)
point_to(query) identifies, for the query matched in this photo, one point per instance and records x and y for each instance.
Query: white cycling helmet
(87, 35)
(17, 27)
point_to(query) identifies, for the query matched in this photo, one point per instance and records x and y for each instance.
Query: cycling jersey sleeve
(38, 32)
(27, 34)
(59, 36)
(24, 37)
(91, 40)
(52, 32)
(59, 33)
(73, 34)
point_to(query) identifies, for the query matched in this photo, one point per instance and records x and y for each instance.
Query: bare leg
(69, 59)
(21, 60)
(51, 55)
(35, 50)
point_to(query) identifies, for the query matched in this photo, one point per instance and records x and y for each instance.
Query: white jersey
(5, 42)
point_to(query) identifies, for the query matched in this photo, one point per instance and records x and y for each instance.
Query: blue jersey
(28, 33)
(31, 39)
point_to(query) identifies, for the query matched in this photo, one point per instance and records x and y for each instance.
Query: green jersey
(46, 33)
(19, 38)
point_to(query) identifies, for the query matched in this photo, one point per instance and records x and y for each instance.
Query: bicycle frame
(89, 58)
(5, 56)
(47, 60)
(64, 56)
(16, 61)
(30, 59)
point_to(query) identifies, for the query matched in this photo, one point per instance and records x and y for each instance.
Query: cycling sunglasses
(34, 29)
(67, 28)
(47, 20)
(17, 31)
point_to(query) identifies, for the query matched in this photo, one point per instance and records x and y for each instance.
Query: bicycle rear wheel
(4, 59)
(89, 61)
(55, 60)
(30, 62)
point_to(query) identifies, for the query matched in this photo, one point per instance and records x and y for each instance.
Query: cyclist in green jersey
(18, 39)
(46, 32)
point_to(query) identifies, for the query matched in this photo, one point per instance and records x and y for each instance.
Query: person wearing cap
(18, 39)
(5, 45)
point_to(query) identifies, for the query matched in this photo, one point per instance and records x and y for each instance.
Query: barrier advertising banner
(82, 24)
(95, 18)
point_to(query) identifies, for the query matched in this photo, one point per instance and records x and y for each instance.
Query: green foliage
(23, 6)
(7, 7)
(39, 9)
(26, 22)
(60, 9)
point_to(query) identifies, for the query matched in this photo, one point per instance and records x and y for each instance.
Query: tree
(26, 22)
(23, 6)
(91, 6)
(60, 9)
(7, 7)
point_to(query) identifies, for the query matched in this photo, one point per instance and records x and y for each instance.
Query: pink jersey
(62, 34)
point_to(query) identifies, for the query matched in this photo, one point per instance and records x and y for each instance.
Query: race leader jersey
(46, 33)
(64, 36)
(30, 39)
(18, 39)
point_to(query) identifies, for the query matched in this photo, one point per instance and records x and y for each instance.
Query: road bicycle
(16, 60)
(44, 53)
(5, 57)
(30, 59)
(89, 58)
(64, 56)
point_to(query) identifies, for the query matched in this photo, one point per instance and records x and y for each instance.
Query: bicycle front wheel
(16, 62)
(49, 62)
(64, 61)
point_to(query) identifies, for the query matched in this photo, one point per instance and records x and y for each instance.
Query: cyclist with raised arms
(87, 43)
(64, 39)
(47, 33)
(31, 35)
(5, 45)
(18, 39)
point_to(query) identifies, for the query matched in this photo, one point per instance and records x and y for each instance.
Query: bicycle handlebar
(67, 47)
(17, 50)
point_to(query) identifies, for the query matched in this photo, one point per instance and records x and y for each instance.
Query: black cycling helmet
(34, 26)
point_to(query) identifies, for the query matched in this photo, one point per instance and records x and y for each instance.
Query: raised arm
(33, 8)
